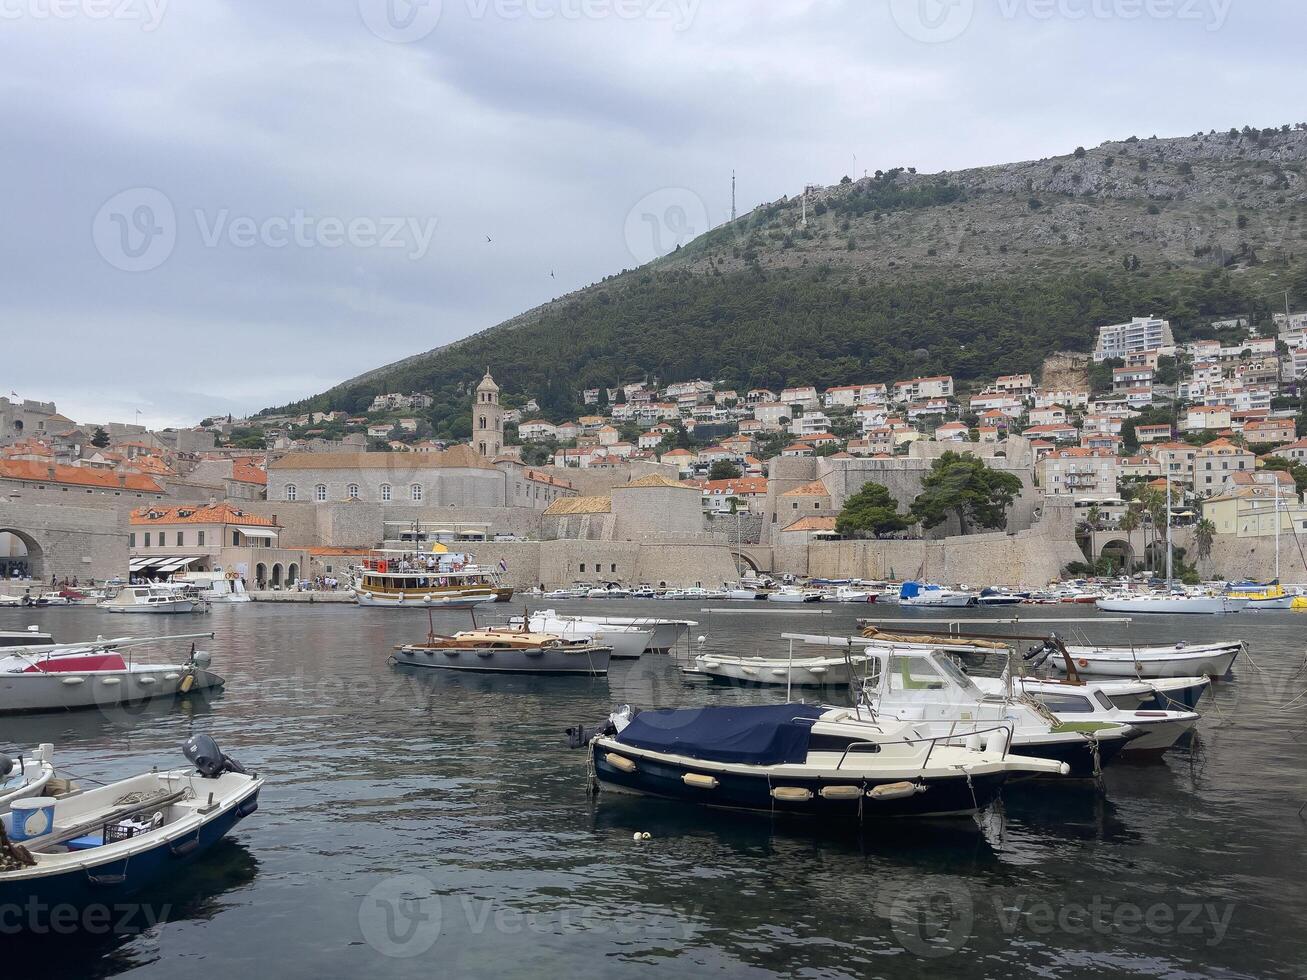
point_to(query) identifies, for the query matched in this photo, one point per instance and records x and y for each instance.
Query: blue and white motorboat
(929, 595)
(94, 846)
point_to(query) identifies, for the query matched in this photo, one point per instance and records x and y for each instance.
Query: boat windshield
(919, 674)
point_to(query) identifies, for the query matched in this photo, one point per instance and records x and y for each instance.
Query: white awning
(136, 564)
(177, 564)
(258, 532)
(162, 563)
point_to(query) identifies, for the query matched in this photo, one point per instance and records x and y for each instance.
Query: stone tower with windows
(488, 419)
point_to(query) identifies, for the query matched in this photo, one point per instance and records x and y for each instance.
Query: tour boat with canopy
(433, 578)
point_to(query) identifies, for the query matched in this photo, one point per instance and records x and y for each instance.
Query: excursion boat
(25, 776)
(435, 579)
(96, 675)
(626, 640)
(836, 764)
(1180, 660)
(154, 599)
(492, 651)
(98, 845)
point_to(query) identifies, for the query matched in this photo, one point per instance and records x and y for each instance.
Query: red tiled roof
(32, 471)
(217, 514)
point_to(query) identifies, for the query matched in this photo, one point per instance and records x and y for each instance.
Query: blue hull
(105, 883)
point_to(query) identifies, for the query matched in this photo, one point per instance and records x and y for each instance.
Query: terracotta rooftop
(579, 505)
(814, 489)
(192, 514)
(654, 481)
(32, 471)
(812, 524)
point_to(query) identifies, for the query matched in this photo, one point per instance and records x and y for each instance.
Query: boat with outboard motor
(929, 595)
(96, 845)
(500, 651)
(155, 599)
(26, 775)
(95, 674)
(775, 671)
(1185, 660)
(836, 764)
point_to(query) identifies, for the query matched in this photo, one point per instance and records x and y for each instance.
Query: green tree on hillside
(871, 512)
(960, 484)
(99, 438)
(724, 469)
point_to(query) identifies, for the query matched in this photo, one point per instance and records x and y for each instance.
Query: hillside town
(738, 481)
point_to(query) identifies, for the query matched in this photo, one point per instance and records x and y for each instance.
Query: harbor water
(420, 823)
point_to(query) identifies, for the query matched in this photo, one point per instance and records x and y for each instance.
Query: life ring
(231, 576)
(1082, 663)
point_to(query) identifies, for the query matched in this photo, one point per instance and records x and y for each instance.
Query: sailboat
(1171, 602)
(1272, 595)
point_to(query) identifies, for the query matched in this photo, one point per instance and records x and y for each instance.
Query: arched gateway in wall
(22, 554)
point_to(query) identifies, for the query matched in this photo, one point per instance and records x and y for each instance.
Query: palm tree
(1129, 523)
(1203, 535)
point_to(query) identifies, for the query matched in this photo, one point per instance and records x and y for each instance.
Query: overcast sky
(223, 205)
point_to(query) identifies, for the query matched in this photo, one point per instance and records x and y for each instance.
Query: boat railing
(931, 740)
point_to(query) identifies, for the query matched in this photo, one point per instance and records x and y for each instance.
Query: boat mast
(1169, 576)
(1278, 522)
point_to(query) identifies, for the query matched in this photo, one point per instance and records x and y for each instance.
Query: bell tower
(488, 419)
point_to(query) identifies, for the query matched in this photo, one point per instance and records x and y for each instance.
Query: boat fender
(895, 791)
(996, 742)
(791, 794)
(641, 835)
(817, 670)
(699, 781)
(6, 765)
(619, 762)
(187, 683)
(841, 792)
(974, 743)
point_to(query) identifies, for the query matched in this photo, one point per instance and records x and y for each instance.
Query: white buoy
(702, 638)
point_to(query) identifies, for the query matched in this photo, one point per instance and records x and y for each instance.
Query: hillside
(973, 273)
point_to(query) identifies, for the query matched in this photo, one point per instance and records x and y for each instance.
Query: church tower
(488, 419)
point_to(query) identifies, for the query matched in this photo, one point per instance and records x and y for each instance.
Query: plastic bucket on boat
(32, 817)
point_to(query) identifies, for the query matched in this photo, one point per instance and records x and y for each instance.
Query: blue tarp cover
(763, 736)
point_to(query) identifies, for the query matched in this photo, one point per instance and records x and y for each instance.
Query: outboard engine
(207, 758)
(578, 736)
(6, 766)
(1036, 656)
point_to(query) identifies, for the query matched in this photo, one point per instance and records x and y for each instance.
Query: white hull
(959, 601)
(424, 601)
(39, 691)
(666, 632)
(592, 662)
(771, 671)
(1172, 605)
(157, 608)
(1279, 602)
(28, 781)
(1210, 661)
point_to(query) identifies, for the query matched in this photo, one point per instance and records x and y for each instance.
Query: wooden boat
(837, 764)
(101, 844)
(435, 579)
(25, 776)
(60, 677)
(493, 651)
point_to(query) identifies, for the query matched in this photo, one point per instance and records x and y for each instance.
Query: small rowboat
(25, 776)
(1180, 660)
(777, 672)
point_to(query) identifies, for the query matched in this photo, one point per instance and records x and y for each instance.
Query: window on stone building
(131, 540)
(583, 567)
(415, 491)
(291, 491)
(201, 538)
(352, 491)
(181, 539)
(147, 539)
(385, 491)
(320, 492)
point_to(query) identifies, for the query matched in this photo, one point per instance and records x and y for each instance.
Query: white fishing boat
(1179, 660)
(497, 651)
(153, 599)
(777, 671)
(575, 592)
(1158, 730)
(609, 591)
(627, 642)
(96, 675)
(795, 594)
(219, 587)
(917, 595)
(26, 775)
(849, 593)
(747, 593)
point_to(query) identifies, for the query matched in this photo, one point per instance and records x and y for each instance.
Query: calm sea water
(422, 823)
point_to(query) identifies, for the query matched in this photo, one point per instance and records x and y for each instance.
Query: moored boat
(835, 764)
(915, 594)
(776, 671)
(1179, 660)
(1170, 604)
(26, 775)
(100, 844)
(433, 579)
(492, 651)
(154, 599)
